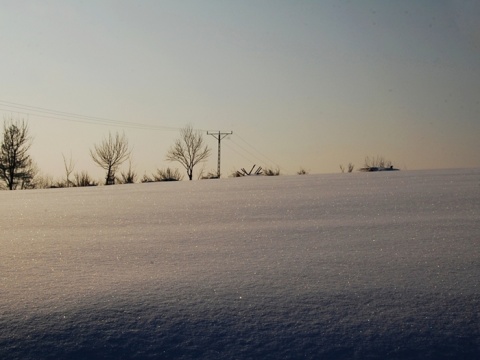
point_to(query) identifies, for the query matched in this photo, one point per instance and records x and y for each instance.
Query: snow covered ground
(345, 266)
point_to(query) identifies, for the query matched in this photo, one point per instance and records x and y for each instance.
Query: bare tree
(110, 154)
(68, 169)
(16, 166)
(189, 149)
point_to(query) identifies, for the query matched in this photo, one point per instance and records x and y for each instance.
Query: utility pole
(219, 136)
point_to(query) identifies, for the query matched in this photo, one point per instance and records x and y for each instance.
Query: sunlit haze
(311, 84)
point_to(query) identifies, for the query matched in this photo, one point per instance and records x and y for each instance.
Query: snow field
(366, 266)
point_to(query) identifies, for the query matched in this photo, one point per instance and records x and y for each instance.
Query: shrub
(210, 175)
(163, 175)
(146, 179)
(349, 169)
(271, 172)
(243, 172)
(83, 179)
(129, 176)
(378, 163)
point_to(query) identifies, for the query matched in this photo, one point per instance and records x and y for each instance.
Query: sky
(301, 84)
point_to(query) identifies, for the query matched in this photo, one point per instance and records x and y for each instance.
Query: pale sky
(310, 84)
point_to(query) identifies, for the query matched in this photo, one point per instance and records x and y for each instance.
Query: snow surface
(345, 266)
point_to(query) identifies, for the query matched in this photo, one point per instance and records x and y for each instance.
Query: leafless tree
(68, 170)
(110, 154)
(16, 166)
(189, 149)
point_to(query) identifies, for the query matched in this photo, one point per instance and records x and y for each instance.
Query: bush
(378, 163)
(163, 175)
(129, 176)
(243, 172)
(349, 168)
(210, 175)
(83, 179)
(271, 172)
(42, 182)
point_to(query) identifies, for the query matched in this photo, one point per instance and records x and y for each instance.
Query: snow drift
(365, 265)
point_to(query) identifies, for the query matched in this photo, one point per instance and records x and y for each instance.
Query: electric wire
(258, 151)
(41, 112)
(249, 152)
(238, 153)
(73, 117)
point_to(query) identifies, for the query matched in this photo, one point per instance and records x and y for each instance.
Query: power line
(255, 149)
(73, 117)
(238, 153)
(45, 110)
(247, 151)
(265, 161)
(41, 112)
(120, 124)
